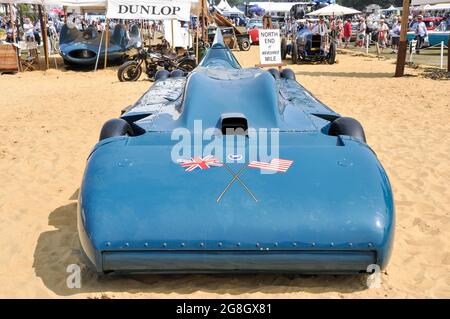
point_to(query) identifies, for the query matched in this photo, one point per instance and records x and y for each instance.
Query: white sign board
(269, 46)
(149, 9)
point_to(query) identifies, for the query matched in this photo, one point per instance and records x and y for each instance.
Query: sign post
(270, 48)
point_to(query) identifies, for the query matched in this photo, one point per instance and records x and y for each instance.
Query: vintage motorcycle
(151, 62)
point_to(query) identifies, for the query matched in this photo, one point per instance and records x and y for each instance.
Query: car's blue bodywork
(141, 212)
(435, 37)
(81, 47)
(311, 46)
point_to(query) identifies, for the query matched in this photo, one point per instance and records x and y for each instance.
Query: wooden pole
(44, 34)
(65, 14)
(13, 23)
(204, 31)
(401, 56)
(106, 41)
(171, 28)
(198, 31)
(47, 58)
(189, 34)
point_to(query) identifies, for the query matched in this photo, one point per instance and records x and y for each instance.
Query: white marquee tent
(224, 6)
(421, 2)
(437, 7)
(281, 7)
(334, 9)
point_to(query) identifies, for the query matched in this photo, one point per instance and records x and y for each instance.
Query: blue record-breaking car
(82, 47)
(233, 170)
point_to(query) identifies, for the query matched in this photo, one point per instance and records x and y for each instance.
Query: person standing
(322, 27)
(420, 29)
(361, 32)
(339, 32)
(9, 32)
(382, 31)
(28, 29)
(395, 34)
(52, 36)
(347, 32)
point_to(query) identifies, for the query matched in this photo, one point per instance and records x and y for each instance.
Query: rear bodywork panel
(139, 211)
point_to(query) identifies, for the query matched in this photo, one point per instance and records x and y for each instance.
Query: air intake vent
(234, 124)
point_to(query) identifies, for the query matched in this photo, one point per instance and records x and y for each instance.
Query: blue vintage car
(82, 47)
(309, 46)
(164, 192)
(435, 37)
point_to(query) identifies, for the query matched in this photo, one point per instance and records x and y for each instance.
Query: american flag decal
(276, 164)
(199, 162)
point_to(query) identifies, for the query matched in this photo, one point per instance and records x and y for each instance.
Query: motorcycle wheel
(129, 72)
(187, 65)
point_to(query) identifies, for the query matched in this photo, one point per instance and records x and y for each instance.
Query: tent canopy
(276, 6)
(224, 6)
(68, 3)
(334, 9)
(437, 7)
(391, 8)
(420, 2)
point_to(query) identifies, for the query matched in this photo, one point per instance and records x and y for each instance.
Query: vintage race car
(435, 37)
(309, 46)
(233, 170)
(81, 47)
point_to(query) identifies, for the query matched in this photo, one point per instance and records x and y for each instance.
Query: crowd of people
(30, 31)
(383, 32)
(361, 30)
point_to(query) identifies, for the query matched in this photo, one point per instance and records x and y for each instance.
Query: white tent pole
(98, 53)
(367, 43)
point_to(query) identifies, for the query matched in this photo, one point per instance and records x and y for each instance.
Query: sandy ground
(49, 122)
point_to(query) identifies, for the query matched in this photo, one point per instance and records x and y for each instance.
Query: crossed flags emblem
(197, 162)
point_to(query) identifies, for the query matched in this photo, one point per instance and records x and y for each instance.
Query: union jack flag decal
(199, 162)
(276, 164)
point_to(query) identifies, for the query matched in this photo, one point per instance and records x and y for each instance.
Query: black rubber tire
(347, 126)
(162, 75)
(283, 48)
(245, 45)
(128, 72)
(294, 53)
(115, 127)
(177, 74)
(187, 65)
(332, 54)
(288, 74)
(70, 63)
(275, 73)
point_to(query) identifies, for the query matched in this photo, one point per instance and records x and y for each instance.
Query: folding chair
(27, 64)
